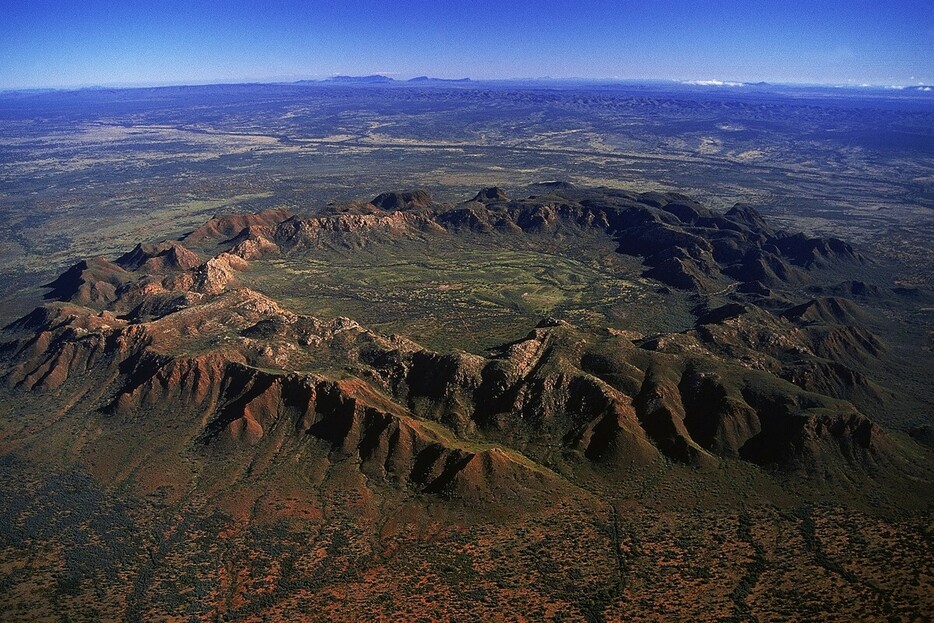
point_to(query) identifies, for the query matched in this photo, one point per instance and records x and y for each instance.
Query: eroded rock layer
(172, 333)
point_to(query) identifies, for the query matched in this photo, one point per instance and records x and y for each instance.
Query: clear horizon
(161, 43)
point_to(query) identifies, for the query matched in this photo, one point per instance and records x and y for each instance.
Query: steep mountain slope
(171, 374)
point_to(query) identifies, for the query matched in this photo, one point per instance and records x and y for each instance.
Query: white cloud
(713, 83)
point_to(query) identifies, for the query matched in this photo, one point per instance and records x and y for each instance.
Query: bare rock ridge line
(171, 333)
(682, 243)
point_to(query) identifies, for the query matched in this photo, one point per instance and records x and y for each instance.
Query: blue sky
(98, 42)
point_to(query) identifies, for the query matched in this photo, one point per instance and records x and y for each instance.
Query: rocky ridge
(172, 330)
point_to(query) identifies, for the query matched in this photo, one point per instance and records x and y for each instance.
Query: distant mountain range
(381, 79)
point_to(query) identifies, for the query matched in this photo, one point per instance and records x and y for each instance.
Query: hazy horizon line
(273, 80)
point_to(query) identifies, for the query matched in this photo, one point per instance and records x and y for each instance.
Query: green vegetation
(470, 292)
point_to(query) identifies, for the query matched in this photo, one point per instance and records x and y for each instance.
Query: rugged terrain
(728, 419)
(95, 171)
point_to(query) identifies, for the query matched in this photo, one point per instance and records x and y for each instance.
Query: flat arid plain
(542, 351)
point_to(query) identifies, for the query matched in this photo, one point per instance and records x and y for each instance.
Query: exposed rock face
(93, 281)
(252, 245)
(226, 227)
(215, 275)
(161, 333)
(159, 257)
(683, 244)
(403, 200)
(617, 405)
